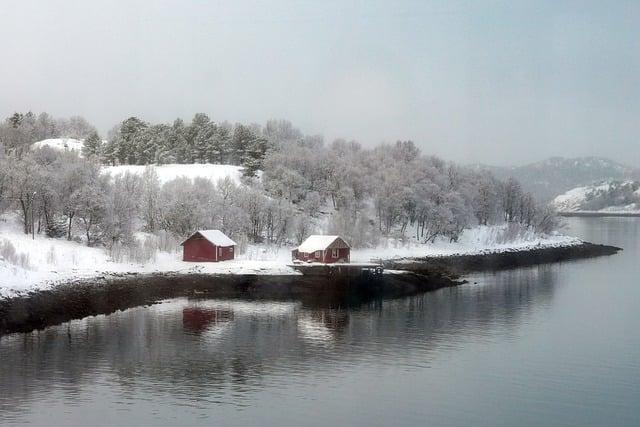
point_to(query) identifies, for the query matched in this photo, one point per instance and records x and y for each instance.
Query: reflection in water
(204, 350)
(198, 319)
(518, 347)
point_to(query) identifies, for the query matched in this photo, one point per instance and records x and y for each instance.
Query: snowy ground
(61, 144)
(167, 173)
(46, 262)
(52, 261)
(479, 240)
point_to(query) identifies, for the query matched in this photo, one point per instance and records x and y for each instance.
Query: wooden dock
(338, 269)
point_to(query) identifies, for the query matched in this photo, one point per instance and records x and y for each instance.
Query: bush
(135, 251)
(51, 256)
(9, 254)
(166, 241)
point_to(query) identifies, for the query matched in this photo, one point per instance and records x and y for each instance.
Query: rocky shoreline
(598, 214)
(458, 265)
(104, 295)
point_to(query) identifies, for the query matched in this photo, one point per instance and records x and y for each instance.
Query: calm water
(552, 345)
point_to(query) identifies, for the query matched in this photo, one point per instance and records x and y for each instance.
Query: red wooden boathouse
(324, 249)
(208, 246)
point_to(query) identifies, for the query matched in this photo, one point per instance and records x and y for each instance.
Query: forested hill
(201, 141)
(392, 191)
(549, 178)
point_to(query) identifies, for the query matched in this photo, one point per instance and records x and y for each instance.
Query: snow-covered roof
(318, 242)
(216, 237)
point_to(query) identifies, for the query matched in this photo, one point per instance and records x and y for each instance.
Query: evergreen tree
(241, 140)
(128, 139)
(15, 120)
(253, 156)
(177, 143)
(92, 147)
(220, 148)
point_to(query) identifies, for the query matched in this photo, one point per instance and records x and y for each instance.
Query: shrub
(9, 254)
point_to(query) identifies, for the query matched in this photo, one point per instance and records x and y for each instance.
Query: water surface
(553, 345)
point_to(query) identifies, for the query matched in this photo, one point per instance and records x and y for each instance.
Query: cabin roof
(216, 237)
(319, 242)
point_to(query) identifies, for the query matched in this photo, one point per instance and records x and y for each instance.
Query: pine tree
(220, 150)
(240, 142)
(128, 139)
(92, 147)
(253, 156)
(177, 142)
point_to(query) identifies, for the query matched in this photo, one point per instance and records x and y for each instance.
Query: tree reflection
(205, 351)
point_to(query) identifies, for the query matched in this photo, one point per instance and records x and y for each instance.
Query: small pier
(338, 269)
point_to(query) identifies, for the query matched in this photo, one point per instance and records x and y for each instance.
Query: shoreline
(82, 298)
(106, 294)
(598, 214)
(462, 264)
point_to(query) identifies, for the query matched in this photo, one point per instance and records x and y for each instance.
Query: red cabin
(208, 246)
(325, 249)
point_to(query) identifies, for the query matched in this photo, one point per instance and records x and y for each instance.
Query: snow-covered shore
(42, 262)
(614, 198)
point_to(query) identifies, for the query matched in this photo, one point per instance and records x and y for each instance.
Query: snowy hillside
(606, 196)
(61, 144)
(554, 176)
(167, 173)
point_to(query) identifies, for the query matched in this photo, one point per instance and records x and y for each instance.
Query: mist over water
(550, 345)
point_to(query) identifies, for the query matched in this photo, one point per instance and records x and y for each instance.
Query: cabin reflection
(199, 319)
(238, 347)
(322, 325)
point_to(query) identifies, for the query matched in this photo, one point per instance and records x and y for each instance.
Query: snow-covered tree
(92, 147)
(150, 198)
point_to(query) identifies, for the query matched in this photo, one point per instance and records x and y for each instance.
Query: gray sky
(491, 81)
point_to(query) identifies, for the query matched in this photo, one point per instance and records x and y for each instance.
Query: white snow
(478, 240)
(170, 172)
(316, 242)
(61, 144)
(574, 199)
(52, 261)
(216, 237)
(630, 208)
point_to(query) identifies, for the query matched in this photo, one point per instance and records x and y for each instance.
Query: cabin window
(231, 249)
(334, 253)
(318, 254)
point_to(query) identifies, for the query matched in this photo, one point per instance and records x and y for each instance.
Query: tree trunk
(69, 227)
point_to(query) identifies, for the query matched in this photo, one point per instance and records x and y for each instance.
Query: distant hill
(605, 196)
(551, 177)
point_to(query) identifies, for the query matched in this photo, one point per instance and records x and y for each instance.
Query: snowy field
(61, 144)
(44, 262)
(167, 173)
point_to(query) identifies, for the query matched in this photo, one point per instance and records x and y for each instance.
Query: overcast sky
(501, 82)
